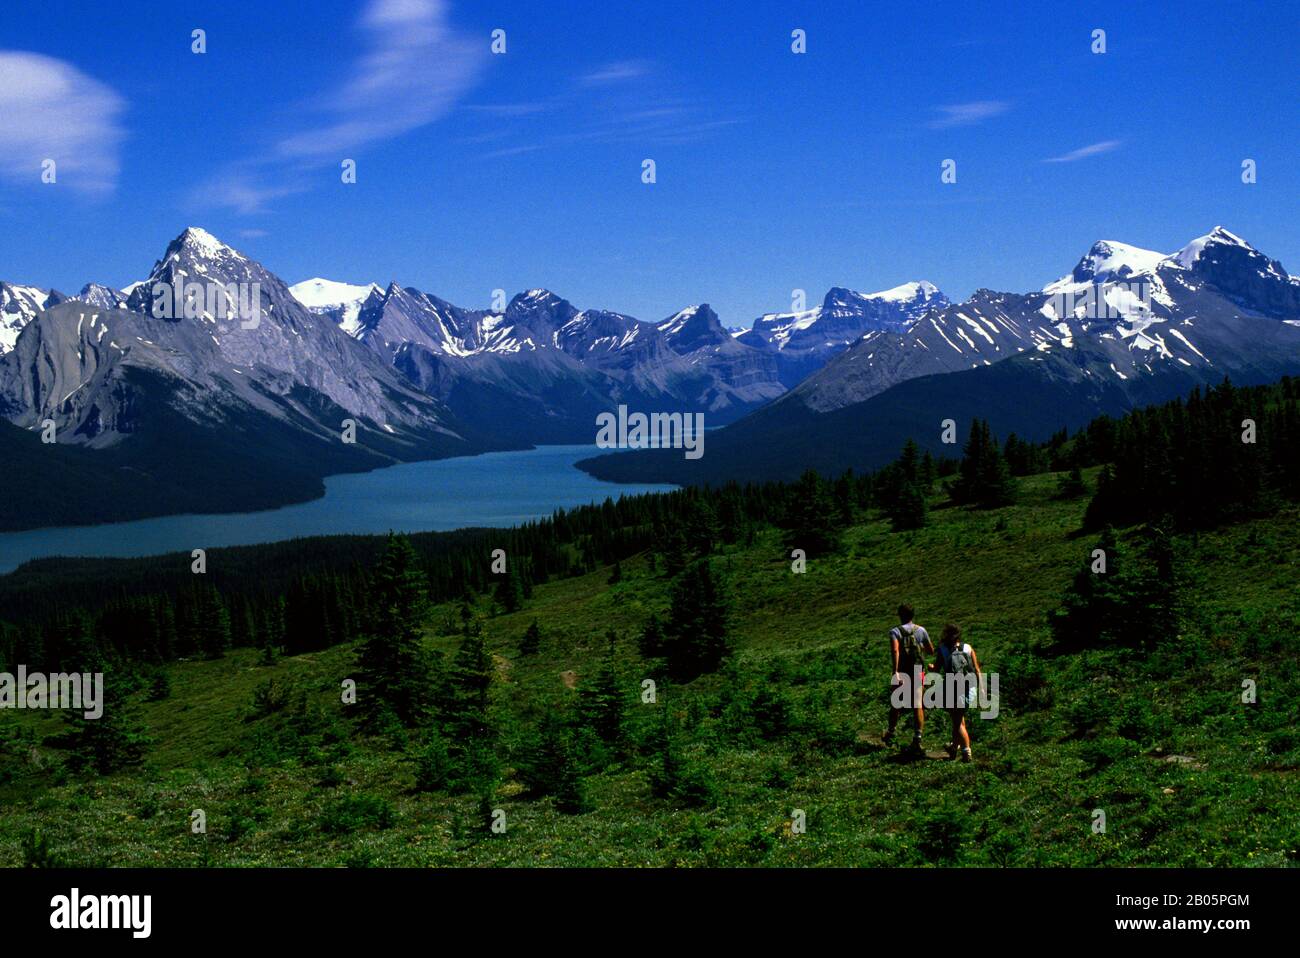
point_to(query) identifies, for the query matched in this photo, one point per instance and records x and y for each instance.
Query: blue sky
(775, 171)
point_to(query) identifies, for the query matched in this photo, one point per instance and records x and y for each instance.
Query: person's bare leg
(961, 737)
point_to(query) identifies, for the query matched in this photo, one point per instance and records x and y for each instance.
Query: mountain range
(205, 408)
(256, 390)
(1126, 327)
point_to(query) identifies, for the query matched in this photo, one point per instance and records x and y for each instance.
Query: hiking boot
(965, 755)
(888, 738)
(951, 749)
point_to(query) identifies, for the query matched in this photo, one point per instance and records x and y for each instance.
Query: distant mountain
(18, 306)
(542, 370)
(230, 410)
(339, 302)
(1126, 327)
(213, 385)
(804, 342)
(105, 297)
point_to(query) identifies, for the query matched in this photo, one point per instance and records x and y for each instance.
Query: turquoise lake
(496, 489)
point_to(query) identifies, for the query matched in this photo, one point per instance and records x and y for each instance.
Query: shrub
(357, 811)
(36, 851)
(270, 697)
(1101, 753)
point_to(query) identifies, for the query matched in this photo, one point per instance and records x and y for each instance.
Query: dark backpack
(959, 661)
(910, 651)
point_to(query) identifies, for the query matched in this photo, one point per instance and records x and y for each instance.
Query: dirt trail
(899, 746)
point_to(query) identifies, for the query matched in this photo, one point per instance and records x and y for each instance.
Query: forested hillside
(504, 717)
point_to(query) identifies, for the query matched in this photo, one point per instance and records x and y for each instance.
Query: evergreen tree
(465, 707)
(550, 766)
(213, 623)
(1071, 486)
(510, 592)
(903, 489)
(926, 474)
(811, 517)
(696, 636)
(73, 638)
(1106, 503)
(395, 671)
(702, 531)
(731, 518)
(112, 742)
(601, 704)
(908, 510)
(984, 479)
(1136, 602)
(650, 643)
(532, 641)
(675, 555)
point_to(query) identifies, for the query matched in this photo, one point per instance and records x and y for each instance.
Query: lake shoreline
(494, 489)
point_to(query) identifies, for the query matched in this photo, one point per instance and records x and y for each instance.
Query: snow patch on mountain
(18, 306)
(341, 301)
(1108, 261)
(1189, 254)
(906, 293)
(327, 293)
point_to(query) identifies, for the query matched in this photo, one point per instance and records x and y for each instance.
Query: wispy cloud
(414, 68)
(625, 101)
(247, 188)
(513, 151)
(511, 109)
(617, 72)
(1083, 152)
(51, 110)
(967, 114)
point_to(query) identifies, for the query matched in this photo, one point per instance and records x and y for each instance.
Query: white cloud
(616, 73)
(51, 110)
(413, 69)
(620, 102)
(1093, 149)
(247, 191)
(966, 114)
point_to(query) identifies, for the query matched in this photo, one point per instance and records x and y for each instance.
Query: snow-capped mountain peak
(324, 294)
(18, 305)
(1241, 272)
(907, 292)
(105, 297)
(1109, 260)
(806, 340)
(202, 242)
(692, 328)
(1192, 252)
(679, 320)
(341, 302)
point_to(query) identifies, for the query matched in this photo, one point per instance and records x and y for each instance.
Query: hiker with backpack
(909, 649)
(960, 669)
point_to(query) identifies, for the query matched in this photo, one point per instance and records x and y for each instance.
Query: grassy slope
(1027, 800)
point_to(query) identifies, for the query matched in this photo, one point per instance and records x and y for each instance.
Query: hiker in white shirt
(961, 673)
(909, 650)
